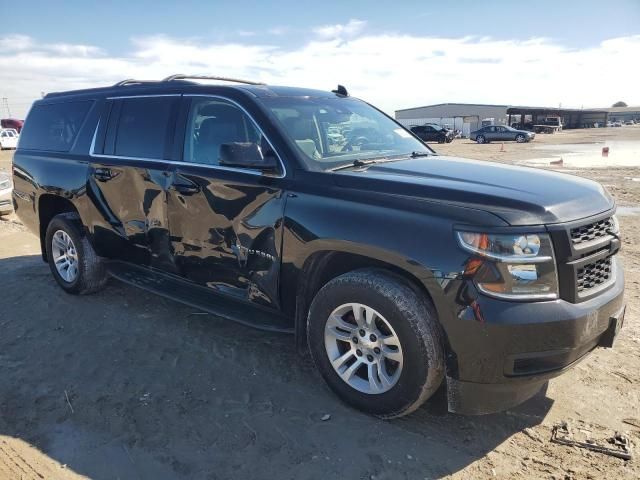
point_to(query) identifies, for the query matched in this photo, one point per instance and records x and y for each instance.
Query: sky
(393, 54)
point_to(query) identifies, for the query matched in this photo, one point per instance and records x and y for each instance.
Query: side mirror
(247, 155)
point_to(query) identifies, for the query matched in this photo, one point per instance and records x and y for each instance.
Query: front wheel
(73, 262)
(520, 138)
(481, 139)
(376, 341)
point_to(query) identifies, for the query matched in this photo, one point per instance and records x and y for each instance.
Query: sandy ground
(126, 385)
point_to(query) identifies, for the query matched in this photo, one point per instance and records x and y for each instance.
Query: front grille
(594, 274)
(591, 231)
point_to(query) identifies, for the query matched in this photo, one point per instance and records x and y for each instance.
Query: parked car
(6, 205)
(8, 139)
(12, 123)
(433, 133)
(401, 270)
(501, 133)
(616, 124)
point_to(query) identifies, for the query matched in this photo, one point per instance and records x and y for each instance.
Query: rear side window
(54, 127)
(144, 127)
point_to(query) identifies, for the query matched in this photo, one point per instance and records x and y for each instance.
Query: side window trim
(97, 145)
(112, 128)
(176, 158)
(220, 167)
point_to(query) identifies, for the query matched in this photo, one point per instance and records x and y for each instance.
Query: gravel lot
(127, 385)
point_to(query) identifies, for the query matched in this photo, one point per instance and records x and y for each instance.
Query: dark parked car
(400, 269)
(12, 123)
(433, 133)
(501, 133)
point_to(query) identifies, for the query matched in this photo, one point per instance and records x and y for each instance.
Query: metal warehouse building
(468, 117)
(622, 114)
(465, 117)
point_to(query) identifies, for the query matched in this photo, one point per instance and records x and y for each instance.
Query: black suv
(402, 270)
(432, 133)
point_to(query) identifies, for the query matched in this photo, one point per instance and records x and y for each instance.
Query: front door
(490, 133)
(129, 178)
(225, 223)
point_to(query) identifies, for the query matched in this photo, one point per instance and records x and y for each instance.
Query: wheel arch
(50, 205)
(324, 265)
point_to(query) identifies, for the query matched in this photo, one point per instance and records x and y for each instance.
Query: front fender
(414, 236)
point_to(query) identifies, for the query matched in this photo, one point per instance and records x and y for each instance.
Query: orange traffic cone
(502, 147)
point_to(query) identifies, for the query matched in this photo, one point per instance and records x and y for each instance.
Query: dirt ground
(126, 385)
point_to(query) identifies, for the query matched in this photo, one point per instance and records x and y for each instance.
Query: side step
(199, 297)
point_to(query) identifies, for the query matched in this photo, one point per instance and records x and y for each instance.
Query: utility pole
(5, 102)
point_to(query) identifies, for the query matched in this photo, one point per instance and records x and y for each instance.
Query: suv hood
(519, 195)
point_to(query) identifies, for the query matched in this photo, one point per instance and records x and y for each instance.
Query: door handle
(186, 188)
(103, 174)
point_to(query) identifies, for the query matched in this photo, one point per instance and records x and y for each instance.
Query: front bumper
(515, 348)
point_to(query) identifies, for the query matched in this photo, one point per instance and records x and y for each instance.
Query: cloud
(277, 31)
(392, 71)
(12, 43)
(352, 28)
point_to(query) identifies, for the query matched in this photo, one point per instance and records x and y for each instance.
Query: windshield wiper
(355, 163)
(420, 154)
(393, 158)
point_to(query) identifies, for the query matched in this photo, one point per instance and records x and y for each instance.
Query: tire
(90, 274)
(481, 139)
(412, 319)
(442, 140)
(520, 138)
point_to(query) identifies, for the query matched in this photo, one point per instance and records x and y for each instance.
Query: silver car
(501, 133)
(6, 206)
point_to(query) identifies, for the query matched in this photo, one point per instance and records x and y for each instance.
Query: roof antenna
(341, 91)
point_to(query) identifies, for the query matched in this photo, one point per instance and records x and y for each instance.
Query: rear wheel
(72, 260)
(481, 139)
(520, 138)
(376, 342)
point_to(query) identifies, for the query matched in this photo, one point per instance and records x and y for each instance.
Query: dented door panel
(130, 197)
(226, 231)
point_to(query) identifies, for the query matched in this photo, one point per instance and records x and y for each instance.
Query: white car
(8, 139)
(6, 205)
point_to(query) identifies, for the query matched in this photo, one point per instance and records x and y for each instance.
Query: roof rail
(209, 77)
(133, 81)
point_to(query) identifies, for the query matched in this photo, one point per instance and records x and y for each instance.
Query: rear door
(225, 223)
(504, 134)
(419, 132)
(429, 133)
(128, 179)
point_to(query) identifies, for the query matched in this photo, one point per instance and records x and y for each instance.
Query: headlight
(5, 184)
(615, 225)
(512, 266)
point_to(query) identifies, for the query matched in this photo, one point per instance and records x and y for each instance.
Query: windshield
(330, 132)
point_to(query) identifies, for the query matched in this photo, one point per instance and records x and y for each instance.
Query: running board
(202, 298)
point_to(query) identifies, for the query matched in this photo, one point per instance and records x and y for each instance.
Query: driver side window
(214, 122)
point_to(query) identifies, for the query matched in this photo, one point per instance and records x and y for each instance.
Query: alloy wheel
(65, 256)
(363, 348)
